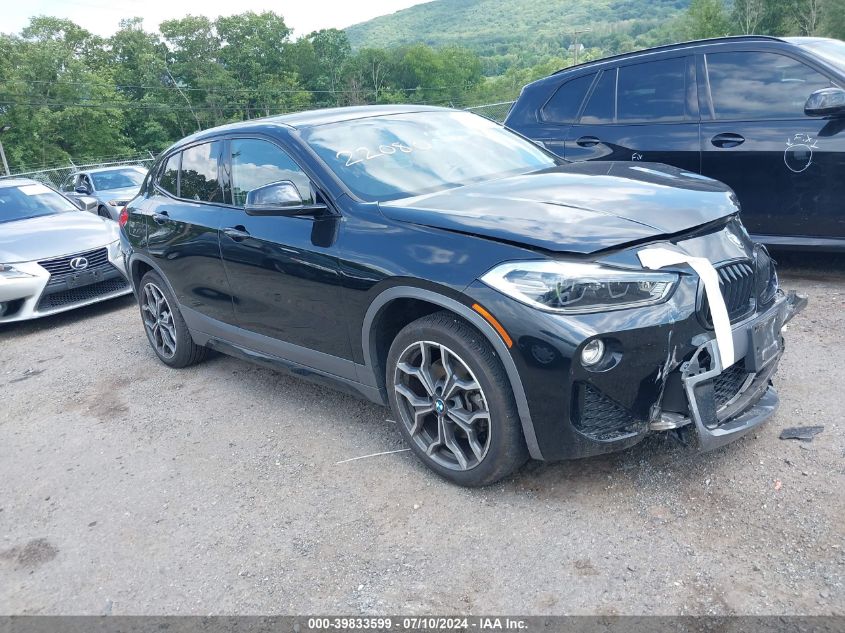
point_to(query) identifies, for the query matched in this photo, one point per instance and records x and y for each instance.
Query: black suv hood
(576, 208)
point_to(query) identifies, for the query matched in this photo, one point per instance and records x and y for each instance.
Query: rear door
(183, 215)
(641, 111)
(787, 169)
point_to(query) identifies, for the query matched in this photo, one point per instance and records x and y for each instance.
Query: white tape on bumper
(657, 257)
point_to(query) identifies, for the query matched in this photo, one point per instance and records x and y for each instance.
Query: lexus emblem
(79, 263)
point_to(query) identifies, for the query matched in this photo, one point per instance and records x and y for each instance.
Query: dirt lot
(129, 488)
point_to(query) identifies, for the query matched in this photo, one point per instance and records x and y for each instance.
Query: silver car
(53, 255)
(113, 187)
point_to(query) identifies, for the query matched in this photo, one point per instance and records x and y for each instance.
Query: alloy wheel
(442, 405)
(158, 320)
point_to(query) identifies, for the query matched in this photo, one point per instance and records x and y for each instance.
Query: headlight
(572, 287)
(765, 276)
(8, 271)
(118, 203)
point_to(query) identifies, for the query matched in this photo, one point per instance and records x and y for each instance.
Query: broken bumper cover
(577, 412)
(758, 344)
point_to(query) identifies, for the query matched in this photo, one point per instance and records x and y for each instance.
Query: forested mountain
(524, 32)
(68, 94)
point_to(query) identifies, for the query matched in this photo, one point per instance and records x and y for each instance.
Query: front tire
(104, 213)
(163, 323)
(453, 401)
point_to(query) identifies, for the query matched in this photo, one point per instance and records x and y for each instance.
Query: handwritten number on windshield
(361, 154)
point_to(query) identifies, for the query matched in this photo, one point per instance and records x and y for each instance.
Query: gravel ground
(130, 488)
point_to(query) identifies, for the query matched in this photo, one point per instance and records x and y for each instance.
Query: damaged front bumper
(662, 369)
(758, 346)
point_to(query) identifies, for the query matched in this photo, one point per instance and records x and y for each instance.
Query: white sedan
(53, 255)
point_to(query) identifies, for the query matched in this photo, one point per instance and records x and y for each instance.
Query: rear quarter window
(169, 178)
(565, 103)
(199, 179)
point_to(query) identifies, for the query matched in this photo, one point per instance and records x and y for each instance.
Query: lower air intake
(81, 295)
(600, 418)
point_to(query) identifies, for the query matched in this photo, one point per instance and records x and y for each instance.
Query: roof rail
(665, 47)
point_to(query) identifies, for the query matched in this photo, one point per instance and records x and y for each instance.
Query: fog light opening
(592, 353)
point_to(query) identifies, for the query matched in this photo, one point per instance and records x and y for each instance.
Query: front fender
(465, 312)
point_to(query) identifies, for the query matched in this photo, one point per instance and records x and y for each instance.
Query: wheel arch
(140, 265)
(428, 301)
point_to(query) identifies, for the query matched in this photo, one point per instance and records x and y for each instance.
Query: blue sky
(102, 16)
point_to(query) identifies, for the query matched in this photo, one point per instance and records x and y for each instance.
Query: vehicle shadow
(22, 328)
(657, 459)
(809, 265)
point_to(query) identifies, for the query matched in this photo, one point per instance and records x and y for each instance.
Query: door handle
(237, 233)
(160, 217)
(727, 139)
(588, 141)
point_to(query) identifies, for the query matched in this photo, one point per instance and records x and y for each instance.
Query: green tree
(706, 18)
(748, 15)
(58, 96)
(331, 51)
(809, 15)
(138, 62)
(834, 21)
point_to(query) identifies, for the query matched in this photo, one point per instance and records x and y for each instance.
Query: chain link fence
(55, 176)
(494, 111)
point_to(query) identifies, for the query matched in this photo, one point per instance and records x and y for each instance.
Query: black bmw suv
(764, 115)
(503, 303)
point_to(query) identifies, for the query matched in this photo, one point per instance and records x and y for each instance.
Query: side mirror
(82, 190)
(826, 102)
(279, 198)
(85, 203)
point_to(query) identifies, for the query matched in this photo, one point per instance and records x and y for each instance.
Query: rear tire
(453, 401)
(163, 323)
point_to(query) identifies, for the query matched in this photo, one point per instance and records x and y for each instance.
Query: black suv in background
(764, 115)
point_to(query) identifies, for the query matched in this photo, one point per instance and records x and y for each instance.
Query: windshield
(390, 157)
(832, 51)
(31, 201)
(117, 179)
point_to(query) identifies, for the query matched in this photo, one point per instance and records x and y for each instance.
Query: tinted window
(200, 179)
(601, 108)
(564, 105)
(257, 163)
(752, 85)
(655, 91)
(169, 175)
(117, 179)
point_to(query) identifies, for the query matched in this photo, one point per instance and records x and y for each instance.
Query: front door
(283, 273)
(787, 169)
(182, 217)
(641, 112)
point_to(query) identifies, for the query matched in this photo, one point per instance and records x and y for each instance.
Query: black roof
(675, 46)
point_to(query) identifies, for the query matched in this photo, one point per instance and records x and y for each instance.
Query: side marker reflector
(496, 325)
